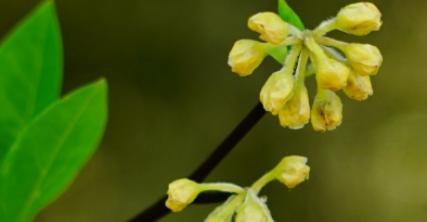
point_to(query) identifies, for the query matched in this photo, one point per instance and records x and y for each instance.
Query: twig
(158, 209)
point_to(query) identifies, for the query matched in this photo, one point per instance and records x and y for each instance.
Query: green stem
(295, 31)
(332, 43)
(315, 48)
(325, 27)
(264, 180)
(292, 59)
(301, 70)
(222, 187)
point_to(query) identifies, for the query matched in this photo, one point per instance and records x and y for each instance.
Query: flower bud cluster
(244, 204)
(337, 65)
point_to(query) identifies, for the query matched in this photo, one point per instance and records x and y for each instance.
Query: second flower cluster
(244, 204)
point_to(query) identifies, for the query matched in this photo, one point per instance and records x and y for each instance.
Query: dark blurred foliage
(173, 98)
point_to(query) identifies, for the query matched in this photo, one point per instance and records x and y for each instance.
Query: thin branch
(211, 197)
(229, 143)
(158, 209)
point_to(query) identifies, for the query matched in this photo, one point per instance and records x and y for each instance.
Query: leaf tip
(102, 83)
(289, 15)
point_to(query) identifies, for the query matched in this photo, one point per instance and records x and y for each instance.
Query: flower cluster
(337, 65)
(244, 205)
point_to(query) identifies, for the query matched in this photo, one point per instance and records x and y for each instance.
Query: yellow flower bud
(181, 193)
(296, 112)
(331, 74)
(358, 87)
(271, 27)
(326, 113)
(365, 59)
(245, 56)
(359, 18)
(292, 171)
(277, 91)
(253, 210)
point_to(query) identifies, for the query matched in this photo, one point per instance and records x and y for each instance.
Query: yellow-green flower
(358, 87)
(359, 18)
(365, 59)
(244, 205)
(327, 111)
(245, 56)
(336, 65)
(270, 27)
(331, 74)
(181, 193)
(253, 209)
(226, 211)
(296, 112)
(292, 171)
(277, 91)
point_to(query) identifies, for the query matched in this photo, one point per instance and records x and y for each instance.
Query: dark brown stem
(158, 209)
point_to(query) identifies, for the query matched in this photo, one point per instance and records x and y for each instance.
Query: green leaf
(289, 15)
(49, 153)
(30, 72)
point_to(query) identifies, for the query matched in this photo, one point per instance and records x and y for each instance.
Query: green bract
(289, 15)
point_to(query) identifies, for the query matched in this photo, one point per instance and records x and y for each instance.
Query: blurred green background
(173, 98)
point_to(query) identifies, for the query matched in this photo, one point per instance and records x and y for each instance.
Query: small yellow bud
(365, 59)
(331, 74)
(359, 18)
(245, 56)
(271, 27)
(253, 210)
(292, 171)
(181, 193)
(358, 87)
(296, 112)
(277, 91)
(326, 113)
